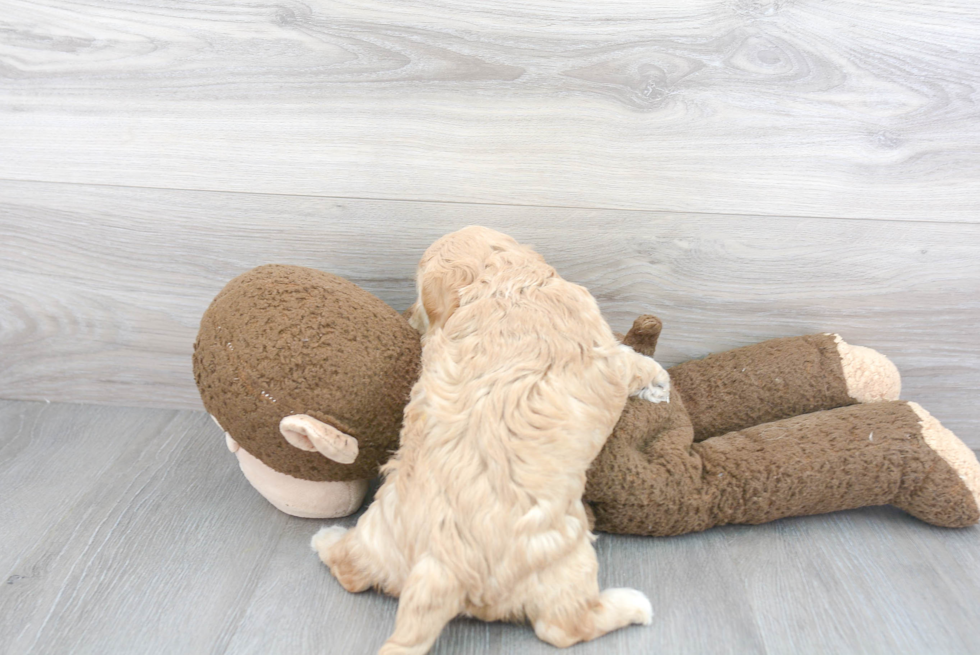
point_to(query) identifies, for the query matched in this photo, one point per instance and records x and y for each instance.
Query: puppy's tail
(430, 599)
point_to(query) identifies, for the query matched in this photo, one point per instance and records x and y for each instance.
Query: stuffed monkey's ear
(643, 336)
(307, 433)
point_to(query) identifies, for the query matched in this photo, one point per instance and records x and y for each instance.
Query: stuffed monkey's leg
(889, 453)
(780, 378)
(869, 454)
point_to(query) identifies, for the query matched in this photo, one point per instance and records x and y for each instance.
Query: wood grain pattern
(154, 543)
(807, 108)
(102, 289)
(870, 561)
(139, 546)
(41, 446)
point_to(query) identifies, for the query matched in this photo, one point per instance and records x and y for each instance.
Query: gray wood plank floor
(131, 531)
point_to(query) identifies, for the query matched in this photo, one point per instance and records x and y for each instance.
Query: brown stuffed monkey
(308, 375)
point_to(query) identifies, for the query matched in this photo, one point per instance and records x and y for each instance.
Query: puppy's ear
(417, 318)
(438, 303)
(440, 288)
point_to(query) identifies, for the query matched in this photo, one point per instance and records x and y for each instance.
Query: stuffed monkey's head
(307, 373)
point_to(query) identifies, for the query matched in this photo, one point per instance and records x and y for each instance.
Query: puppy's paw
(658, 391)
(629, 603)
(325, 538)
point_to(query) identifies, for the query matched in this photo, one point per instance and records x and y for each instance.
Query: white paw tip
(326, 537)
(645, 609)
(655, 394)
(634, 600)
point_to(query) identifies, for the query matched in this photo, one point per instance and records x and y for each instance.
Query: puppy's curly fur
(480, 512)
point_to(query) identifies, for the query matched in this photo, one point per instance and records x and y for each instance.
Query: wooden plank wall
(744, 169)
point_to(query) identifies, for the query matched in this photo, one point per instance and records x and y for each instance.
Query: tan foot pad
(870, 376)
(948, 446)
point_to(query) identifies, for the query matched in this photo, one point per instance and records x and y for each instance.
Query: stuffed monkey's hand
(643, 336)
(307, 433)
(651, 382)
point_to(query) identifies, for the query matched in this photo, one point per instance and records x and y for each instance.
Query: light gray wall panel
(102, 288)
(806, 108)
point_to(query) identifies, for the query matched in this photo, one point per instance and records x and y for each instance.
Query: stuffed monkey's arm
(649, 380)
(643, 336)
(779, 379)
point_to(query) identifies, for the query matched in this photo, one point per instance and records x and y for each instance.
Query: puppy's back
(518, 392)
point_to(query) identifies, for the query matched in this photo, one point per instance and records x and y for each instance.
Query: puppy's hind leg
(430, 599)
(363, 556)
(613, 609)
(338, 548)
(568, 608)
(647, 379)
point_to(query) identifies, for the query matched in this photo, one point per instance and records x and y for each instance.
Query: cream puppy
(480, 511)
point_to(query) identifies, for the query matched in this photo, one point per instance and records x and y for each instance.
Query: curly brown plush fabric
(764, 382)
(282, 340)
(653, 478)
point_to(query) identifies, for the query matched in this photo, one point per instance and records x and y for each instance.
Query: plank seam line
(492, 204)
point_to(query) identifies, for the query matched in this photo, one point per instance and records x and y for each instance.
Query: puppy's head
(448, 266)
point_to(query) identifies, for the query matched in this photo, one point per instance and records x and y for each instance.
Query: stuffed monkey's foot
(870, 376)
(945, 500)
